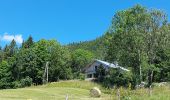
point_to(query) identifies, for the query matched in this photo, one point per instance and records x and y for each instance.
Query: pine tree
(28, 43)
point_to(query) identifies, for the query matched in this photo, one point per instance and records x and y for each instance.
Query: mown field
(79, 90)
(76, 90)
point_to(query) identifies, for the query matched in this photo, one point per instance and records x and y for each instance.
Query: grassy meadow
(79, 90)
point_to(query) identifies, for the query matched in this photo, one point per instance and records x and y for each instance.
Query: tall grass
(157, 93)
(74, 84)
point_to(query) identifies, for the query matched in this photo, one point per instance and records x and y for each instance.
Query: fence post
(118, 94)
(67, 97)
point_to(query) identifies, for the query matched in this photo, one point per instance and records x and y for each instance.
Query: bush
(26, 82)
(81, 76)
(17, 84)
(118, 78)
(6, 84)
(78, 75)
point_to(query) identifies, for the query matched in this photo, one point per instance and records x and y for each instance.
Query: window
(95, 68)
(89, 76)
(95, 75)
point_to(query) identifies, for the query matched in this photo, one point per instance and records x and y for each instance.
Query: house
(90, 70)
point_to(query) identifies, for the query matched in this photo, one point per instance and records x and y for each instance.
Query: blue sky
(64, 20)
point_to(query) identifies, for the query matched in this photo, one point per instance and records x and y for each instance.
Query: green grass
(76, 90)
(79, 90)
(157, 93)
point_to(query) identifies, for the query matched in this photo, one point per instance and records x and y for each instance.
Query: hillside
(97, 46)
(79, 90)
(76, 90)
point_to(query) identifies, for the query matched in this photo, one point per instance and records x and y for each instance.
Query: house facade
(90, 70)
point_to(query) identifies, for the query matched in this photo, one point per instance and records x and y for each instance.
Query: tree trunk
(140, 68)
(151, 76)
(150, 79)
(140, 73)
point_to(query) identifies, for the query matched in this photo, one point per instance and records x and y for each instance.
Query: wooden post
(67, 97)
(150, 90)
(118, 94)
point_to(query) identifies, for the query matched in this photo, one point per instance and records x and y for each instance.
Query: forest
(138, 39)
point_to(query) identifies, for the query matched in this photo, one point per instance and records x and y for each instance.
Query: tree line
(25, 65)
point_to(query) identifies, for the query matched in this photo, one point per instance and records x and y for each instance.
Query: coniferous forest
(138, 39)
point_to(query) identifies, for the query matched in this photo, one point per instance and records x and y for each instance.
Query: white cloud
(7, 37)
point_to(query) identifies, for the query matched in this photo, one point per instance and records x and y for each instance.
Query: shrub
(5, 84)
(26, 82)
(17, 84)
(118, 78)
(81, 76)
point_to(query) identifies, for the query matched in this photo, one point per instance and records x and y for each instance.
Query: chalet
(90, 70)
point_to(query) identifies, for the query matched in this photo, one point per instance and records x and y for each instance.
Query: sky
(66, 21)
